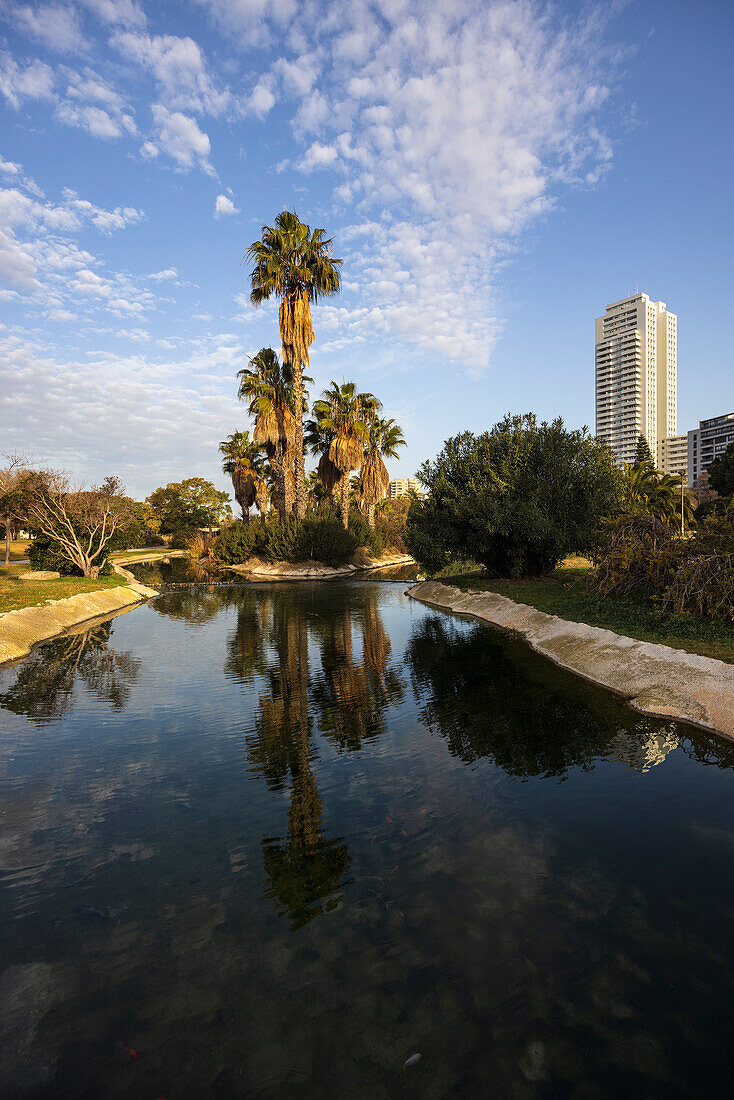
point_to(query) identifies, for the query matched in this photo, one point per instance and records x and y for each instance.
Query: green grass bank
(567, 593)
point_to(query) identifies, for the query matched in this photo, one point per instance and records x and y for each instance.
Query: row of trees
(345, 429)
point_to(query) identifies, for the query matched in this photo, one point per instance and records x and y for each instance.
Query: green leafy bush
(323, 538)
(43, 554)
(364, 535)
(238, 542)
(516, 499)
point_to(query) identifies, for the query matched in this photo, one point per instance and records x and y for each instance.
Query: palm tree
(645, 490)
(383, 439)
(338, 431)
(296, 265)
(268, 387)
(243, 462)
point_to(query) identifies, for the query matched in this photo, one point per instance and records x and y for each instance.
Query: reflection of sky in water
(277, 839)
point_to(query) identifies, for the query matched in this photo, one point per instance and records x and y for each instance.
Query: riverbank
(654, 679)
(567, 593)
(309, 571)
(24, 628)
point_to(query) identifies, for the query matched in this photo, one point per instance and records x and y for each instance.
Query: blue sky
(493, 174)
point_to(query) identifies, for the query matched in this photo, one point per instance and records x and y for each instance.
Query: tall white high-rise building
(636, 368)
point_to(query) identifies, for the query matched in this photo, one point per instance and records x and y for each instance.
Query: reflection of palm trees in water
(352, 695)
(306, 868)
(44, 686)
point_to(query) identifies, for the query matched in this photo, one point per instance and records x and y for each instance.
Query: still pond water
(277, 840)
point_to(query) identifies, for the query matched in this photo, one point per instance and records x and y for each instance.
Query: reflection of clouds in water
(640, 752)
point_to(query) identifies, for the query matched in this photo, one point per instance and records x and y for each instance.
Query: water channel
(277, 840)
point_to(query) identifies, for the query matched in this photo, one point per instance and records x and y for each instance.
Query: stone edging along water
(654, 679)
(305, 571)
(19, 630)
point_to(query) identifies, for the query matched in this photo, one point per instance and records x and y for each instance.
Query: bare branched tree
(81, 522)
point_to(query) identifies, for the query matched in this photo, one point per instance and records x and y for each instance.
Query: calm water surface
(275, 840)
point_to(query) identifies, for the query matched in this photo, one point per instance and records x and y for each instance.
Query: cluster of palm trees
(345, 430)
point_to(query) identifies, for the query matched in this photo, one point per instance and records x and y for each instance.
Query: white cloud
(34, 80)
(161, 276)
(458, 127)
(318, 156)
(179, 67)
(252, 21)
(96, 121)
(124, 13)
(262, 100)
(55, 25)
(96, 414)
(179, 136)
(224, 206)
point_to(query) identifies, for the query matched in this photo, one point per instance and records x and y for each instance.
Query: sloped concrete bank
(19, 630)
(311, 571)
(654, 679)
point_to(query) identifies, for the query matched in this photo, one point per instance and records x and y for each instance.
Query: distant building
(672, 457)
(636, 366)
(706, 442)
(402, 486)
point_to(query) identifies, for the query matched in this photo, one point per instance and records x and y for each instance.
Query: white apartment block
(402, 486)
(672, 457)
(707, 442)
(636, 369)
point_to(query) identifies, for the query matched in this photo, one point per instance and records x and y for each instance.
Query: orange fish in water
(389, 820)
(130, 1051)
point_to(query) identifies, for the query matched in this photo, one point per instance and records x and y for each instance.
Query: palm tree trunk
(299, 464)
(371, 515)
(276, 461)
(344, 499)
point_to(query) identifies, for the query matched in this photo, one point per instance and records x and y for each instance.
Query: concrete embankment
(654, 679)
(312, 571)
(19, 630)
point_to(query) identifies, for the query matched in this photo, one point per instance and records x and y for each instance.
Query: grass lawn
(15, 593)
(566, 593)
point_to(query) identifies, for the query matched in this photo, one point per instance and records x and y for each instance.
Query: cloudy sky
(493, 174)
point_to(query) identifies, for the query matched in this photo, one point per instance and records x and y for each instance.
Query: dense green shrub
(363, 534)
(238, 542)
(43, 554)
(323, 538)
(516, 499)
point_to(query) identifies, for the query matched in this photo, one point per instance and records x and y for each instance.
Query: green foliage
(184, 505)
(44, 553)
(721, 472)
(323, 538)
(517, 499)
(363, 534)
(238, 542)
(319, 537)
